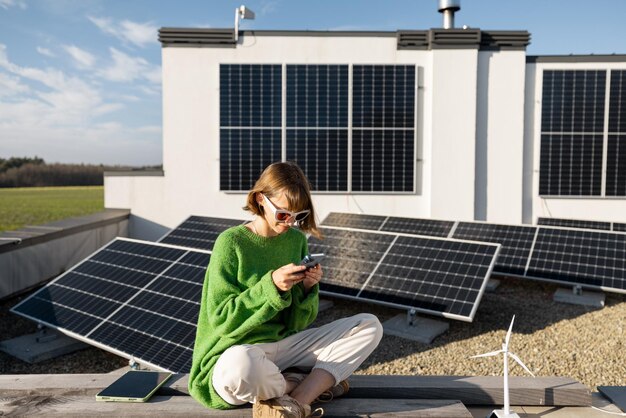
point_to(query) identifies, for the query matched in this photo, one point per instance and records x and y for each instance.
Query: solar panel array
(437, 276)
(301, 113)
(564, 255)
(199, 232)
(138, 299)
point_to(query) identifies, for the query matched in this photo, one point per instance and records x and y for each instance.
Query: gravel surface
(553, 339)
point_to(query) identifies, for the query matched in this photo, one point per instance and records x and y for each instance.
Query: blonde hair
(288, 178)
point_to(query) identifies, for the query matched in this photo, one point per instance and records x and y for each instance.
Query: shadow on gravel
(530, 301)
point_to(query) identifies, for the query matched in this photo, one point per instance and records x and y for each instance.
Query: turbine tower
(506, 412)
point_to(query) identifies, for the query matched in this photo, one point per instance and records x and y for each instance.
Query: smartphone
(134, 386)
(312, 260)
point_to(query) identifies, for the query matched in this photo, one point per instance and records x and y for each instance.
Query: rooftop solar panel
(137, 299)
(199, 232)
(516, 240)
(619, 227)
(354, 220)
(580, 257)
(417, 226)
(431, 275)
(574, 223)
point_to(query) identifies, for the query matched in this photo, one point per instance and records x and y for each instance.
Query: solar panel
(619, 227)
(616, 143)
(317, 123)
(574, 223)
(580, 257)
(383, 136)
(582, 224)
(516, 243)
(416, 226)
(354, 220)
(250, 122)
(136, 299)
(572, 130)
(199, 232)
(432, 275)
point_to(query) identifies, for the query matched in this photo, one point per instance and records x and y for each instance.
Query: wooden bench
(414, 396)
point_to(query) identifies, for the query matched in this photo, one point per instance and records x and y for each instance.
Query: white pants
(247, 373)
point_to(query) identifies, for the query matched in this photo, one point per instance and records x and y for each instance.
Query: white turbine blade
(517, 359)
(492, 353)
(508, 334)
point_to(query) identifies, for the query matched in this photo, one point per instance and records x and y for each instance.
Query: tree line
(34, 172)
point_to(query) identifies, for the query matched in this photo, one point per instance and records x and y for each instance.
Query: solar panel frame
(354, 252)
(179, 359)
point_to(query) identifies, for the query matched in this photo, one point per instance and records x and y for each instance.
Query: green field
(39, 205)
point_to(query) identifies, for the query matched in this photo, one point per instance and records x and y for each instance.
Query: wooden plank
(480, 390)
(185, 406)
(18, 385)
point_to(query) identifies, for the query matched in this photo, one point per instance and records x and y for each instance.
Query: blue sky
(80, 80)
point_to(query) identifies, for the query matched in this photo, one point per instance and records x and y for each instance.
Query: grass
(39, 205)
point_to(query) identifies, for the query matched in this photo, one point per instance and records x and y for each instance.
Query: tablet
(134, 386)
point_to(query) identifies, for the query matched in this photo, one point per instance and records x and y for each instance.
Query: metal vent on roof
(505, 39)
(187, 36)
(454, 38)
(412, 39)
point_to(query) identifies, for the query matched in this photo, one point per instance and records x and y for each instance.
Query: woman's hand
(285, 277)
(312, 276)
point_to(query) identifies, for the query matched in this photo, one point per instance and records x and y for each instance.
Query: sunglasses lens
(282, 216)
(301, 216)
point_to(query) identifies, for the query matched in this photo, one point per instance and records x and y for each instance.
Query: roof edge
(435, 38)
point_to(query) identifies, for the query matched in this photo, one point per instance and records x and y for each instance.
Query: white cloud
(54, 116)
(45, 51)
(82, 58)
(139, 34)
(268, 7)
(45, 112)
(106, 143)
(6, 4)
(11, 86)
(59, 100)
(126, 69)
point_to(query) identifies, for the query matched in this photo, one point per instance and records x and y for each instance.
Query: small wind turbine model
(506, 412)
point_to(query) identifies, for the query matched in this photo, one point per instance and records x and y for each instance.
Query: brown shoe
(336, 391)
(282, 407)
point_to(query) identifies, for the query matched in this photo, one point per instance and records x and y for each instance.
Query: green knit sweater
(241, 305)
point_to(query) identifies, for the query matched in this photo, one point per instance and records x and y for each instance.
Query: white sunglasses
(282, 215)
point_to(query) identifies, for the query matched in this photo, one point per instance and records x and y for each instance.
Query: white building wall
(453, 83)
(500, 136)
(611, 209)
